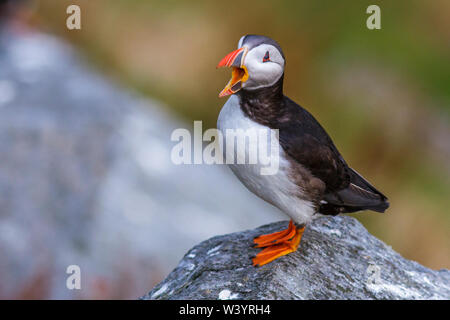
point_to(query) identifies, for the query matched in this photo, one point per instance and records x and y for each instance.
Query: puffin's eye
(266, 57)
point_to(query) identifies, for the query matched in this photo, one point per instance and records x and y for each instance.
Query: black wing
(304, 139)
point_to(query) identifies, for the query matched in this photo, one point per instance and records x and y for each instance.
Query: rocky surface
(86, 179)
(337, 259)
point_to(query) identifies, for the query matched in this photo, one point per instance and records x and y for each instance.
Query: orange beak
(239, 74)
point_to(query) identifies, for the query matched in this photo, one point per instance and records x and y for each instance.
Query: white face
(265, 66)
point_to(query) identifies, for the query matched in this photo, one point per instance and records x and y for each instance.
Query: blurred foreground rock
(337, 259)
(86, 179)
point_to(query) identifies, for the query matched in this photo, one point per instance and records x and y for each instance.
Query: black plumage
(318, 167)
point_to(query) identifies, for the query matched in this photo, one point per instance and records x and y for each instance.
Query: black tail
(359, 195)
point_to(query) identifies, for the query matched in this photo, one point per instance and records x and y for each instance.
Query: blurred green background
(383, 95)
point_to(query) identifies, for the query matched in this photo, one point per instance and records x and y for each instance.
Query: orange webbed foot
(267, 240)
(277, 244)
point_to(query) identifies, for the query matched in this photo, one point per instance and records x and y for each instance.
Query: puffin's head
(257, 63)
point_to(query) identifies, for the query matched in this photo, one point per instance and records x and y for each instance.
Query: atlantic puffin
(313, 179)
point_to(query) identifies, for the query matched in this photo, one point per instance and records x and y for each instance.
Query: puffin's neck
(263, 105)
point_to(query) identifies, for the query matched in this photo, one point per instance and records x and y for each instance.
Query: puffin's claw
(277, 244)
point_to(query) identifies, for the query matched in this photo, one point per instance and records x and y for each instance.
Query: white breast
(276, 189)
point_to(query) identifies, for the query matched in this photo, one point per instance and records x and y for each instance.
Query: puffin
(313, 180)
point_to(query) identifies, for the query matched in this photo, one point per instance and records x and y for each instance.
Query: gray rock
(337, 259)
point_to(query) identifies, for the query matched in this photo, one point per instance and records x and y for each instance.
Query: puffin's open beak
(239, 74)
